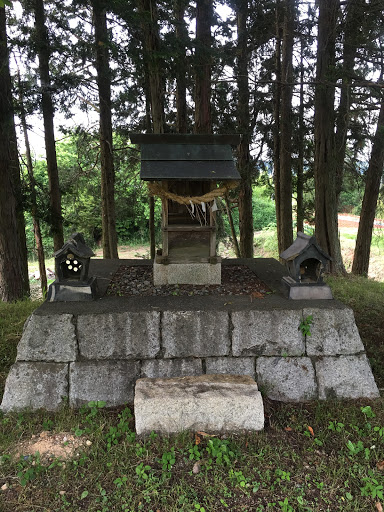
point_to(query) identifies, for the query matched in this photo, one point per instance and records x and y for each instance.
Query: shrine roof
(187, 157)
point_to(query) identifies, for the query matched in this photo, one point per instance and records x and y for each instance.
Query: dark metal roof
(301, 244)
(187, 157)
(184, 138)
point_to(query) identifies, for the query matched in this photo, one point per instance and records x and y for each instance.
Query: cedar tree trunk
(49, 133)
(353, 22)
(204, 17)
(285, 226)
(276, 117)
(106, 144)
(14, 282)
(181, 67)
(154, 67)
(243, 122)
(32, 186)
(324, 166)
(371, 194)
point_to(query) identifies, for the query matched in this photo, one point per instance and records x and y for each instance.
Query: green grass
(366, 298)
(285, 467)
(310, 457)
(12, 318)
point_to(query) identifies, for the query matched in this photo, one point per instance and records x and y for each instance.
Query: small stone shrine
(306, 262)
(71, 266)
(184, 171)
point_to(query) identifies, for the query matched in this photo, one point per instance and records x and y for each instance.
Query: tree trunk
(181, 67)
(14, 282)
(243, 122)
(49, 133)
(204, 18)
(106, 143)
(324, 166)
(353, 22)
(300, 159)
(32, 186)
(154, 70)
(285, 226)
(276, 118)
(372, 187)
(153, 60)
(232, 226)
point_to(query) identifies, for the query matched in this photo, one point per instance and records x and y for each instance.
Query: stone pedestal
(305, 291)
(186, 273)
(211, 403)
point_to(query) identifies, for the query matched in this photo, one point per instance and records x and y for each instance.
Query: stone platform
(97, 350)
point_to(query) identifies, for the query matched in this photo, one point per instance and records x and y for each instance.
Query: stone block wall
(100, 356)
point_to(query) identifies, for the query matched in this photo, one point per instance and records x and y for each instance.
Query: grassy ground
(310, 457)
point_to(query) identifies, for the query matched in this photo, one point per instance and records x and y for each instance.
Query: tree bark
(14, 283)
(300, 159)
(32, 186)
(355, 11)
(49, 133)
(324, 166)
(372, 187)
(154, 69)
(204, 17)
(181, 67)
(285, 226)
(106, 143)
(276, 117)
(153, 60)
(244, 122)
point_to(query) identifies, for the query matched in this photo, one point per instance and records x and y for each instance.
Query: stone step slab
(212, 403)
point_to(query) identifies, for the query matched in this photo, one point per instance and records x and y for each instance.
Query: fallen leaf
(197, 439)
(380, 465)
(226, 303)
(204, 434)
(288, 429)
(311, 431)
(379, 506)
(256, 295)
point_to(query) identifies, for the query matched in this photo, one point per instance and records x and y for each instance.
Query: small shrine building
(188, 173)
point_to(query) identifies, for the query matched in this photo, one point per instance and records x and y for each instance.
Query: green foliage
(305, 325)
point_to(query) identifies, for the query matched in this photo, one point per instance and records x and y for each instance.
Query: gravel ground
(138, 280)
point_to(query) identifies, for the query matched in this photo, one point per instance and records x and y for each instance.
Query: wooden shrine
(188, 173)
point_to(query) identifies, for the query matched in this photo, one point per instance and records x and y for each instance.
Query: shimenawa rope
(156, 189)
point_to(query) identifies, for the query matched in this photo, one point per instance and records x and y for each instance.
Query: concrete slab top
(268, 270)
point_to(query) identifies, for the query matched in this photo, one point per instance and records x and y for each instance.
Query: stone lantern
(306, 262)
(72, 267)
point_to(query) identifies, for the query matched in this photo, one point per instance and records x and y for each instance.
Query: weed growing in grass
(29, 468)
(285, 506)
(142, 471)
(372, 487)
(168, 459)
(220, 450)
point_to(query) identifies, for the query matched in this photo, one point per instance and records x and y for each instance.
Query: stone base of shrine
(75, 352)
(187, 273)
